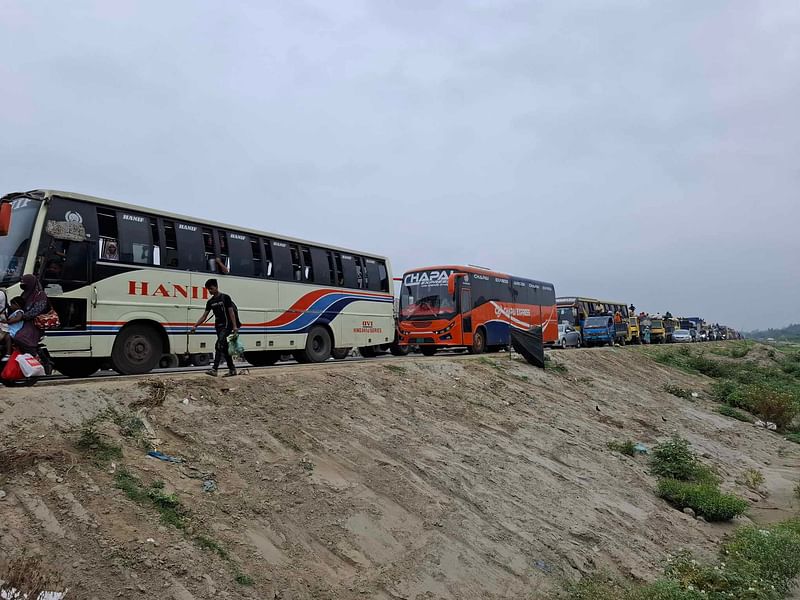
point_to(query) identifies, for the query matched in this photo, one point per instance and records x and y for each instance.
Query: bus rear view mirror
(5, 218)
(451, 284)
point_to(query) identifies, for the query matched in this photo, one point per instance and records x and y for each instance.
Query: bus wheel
(398, 350)
(201, 360)
(341, 353)
(137, 349)
(478, 342)
(169, 361)
(368, 351)
(318, 346)
(428, 350)
(77, 367)
(262, 358)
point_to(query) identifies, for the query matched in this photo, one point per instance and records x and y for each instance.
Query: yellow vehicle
(634, 334)
(658, 334)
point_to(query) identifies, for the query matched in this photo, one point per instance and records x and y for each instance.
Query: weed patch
(678, 391)
(755, 564)
(734, 413)
(628, 448)
(400, 370)
(28, 577)
(243, 579)
(675, 460)
(168, 506)
(752, 478)
(206, 543)
(93, 443)
(705, 499)
(555, 367)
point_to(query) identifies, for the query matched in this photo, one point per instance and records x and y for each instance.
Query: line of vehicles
(128, 284)
(590, 322)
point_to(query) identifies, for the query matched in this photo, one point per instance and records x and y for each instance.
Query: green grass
(628, 448)
(734, 413)
(769, 391)
(705, 499)
(95, 445)
(755, 563)
(555, 367)
(206, 543)
(400, 370)
(243, 579)
(793, 437)
(169, 507)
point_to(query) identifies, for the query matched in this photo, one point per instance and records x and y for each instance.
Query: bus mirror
(451, 284)
(5, 218)
(66, 230)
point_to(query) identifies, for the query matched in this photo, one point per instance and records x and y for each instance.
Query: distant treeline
(789, 333)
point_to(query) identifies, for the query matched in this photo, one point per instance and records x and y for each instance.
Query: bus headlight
(446, 329)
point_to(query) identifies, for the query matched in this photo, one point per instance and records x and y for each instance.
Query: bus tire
(201, 360)
(398, 350)
(77, 367)
(367, 351)
(341, 353)
(478, 342)
(428, 350)
(318, 346)
(262, 358)
(169, 361)
(137, 349)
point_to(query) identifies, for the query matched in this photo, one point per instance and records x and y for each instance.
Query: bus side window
(308, 266)
(383, 275)
(349, 271)
(239, 249)
(337, 264)
(156, 241)
(361, 273)
(108, 235)
(135, 239)
(297, 266)
(282, 258)
(269, 270)
(224, 250)
(209, 251)
(170, 245)
(321, 262)
(373, 275)
(258, 262)
(191, 248)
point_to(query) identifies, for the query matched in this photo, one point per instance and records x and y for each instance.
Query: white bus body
(128, 284)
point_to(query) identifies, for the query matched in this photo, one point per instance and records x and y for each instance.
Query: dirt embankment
(461, 477)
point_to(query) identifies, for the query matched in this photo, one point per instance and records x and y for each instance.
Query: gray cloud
(645, 151)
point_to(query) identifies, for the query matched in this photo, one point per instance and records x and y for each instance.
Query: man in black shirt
(226, 322)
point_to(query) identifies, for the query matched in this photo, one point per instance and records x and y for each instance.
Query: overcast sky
(641, 151)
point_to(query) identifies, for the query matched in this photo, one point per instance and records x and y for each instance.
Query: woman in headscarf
(36, 303)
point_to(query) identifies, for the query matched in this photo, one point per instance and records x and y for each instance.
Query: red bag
(12, 370)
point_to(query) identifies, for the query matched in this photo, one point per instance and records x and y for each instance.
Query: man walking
(226, 322)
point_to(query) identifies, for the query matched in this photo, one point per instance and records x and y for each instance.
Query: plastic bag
(235, 348)
(12, 370)
(30, 366)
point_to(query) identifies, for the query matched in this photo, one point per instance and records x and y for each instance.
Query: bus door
(466, 312)
(65, 267)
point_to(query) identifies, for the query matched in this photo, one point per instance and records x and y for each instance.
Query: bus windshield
(426, 298)
(14, 246)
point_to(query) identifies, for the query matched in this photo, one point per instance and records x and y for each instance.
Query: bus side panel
(368, 322)
(549, 324)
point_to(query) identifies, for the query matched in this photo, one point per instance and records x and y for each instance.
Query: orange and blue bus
(128, 283)
(471, 307)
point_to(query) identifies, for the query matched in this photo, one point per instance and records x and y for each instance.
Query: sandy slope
(460, 477)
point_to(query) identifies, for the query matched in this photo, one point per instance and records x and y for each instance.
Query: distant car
(681, 335)
(568, 337)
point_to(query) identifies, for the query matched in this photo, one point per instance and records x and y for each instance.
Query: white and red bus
(472, 307)
(128, 284)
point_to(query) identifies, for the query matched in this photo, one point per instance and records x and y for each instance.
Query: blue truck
(598, 331)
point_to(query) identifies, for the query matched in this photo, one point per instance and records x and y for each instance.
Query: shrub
(752, 478)
(678, 391)
(627, 447)
(675, 460)
(773, 554)
(734, 413)
(776, 406)
(704, 498)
